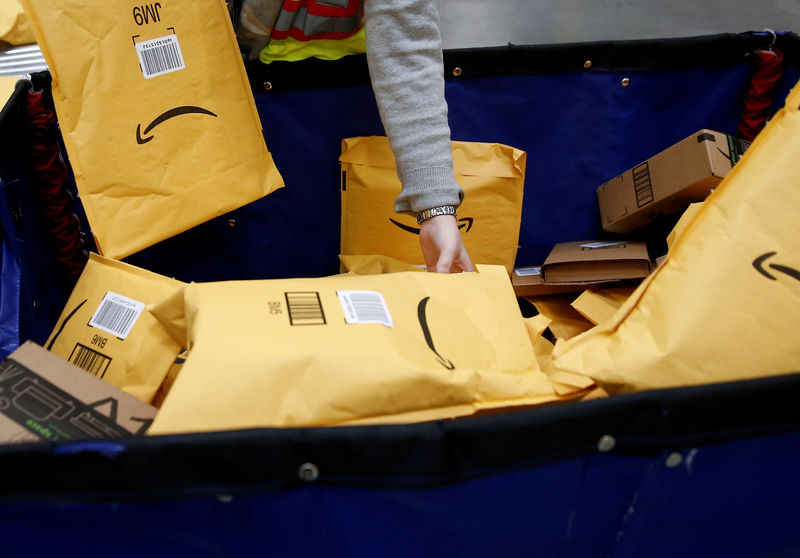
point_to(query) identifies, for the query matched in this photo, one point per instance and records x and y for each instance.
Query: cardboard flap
(596, 251)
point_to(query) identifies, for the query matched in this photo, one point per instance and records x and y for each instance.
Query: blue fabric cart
(698, 471)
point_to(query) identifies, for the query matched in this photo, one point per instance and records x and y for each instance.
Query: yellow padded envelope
(293, 352)
(157, 115)
(725, 305)
(106, 329)
(14, 26)
(491, 174)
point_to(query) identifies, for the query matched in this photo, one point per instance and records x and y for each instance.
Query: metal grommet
(457, 71)
(225, 498)
(674, 459)
(232, 223)
(606, 443)
(626, 82)
(587, 64)
(308, 472)
(35, 305)
(267, 86)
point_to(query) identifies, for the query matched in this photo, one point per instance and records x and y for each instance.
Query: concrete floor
(476, 23)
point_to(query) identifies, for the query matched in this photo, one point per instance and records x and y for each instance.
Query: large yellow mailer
(725, 305)
(491, 174)
(399, 347)
(14, 26)
(157, 115)
(106, 329)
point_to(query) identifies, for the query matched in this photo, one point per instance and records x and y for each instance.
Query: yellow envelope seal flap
(107, 330)
(469, 158)
(381, 348)
(725, 305)
(373, 265)
(491, 174)
(157, 115)
(600, 305)
(565, 321)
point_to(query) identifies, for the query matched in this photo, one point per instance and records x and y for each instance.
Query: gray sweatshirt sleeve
(404, 53)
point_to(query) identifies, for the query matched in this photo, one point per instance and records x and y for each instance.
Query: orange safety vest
(328, 29)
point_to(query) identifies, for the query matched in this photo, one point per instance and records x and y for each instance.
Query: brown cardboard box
(584, 261)
(43, 397)
(669, 181)
(528, 281)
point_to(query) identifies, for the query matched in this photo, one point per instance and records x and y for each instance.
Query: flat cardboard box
(585, 261)
(668, 182)
(528, 281)
(43, 397)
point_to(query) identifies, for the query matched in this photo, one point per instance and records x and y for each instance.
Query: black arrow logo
(758, 263)
(171, 113)
(423, 322)
(463, 222)
(64, 323)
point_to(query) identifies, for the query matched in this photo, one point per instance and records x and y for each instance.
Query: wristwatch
(423, 216)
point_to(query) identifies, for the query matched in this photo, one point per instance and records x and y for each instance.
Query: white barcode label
(528, 271)
(602, 244)
(117, 314)
(160, 56)
(365, 307)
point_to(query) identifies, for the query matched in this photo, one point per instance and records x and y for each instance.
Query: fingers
(464, 262)
(445, 263)
(443, 246)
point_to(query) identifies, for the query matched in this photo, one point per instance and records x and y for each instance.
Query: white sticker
(117, 314)
(527, 271)
(365, 307)
(160, 56)
(602, 244)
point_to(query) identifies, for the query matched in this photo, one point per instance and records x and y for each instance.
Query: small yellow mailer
(399, 347)
(725, 305)
(156, 112)
(106, 329)
(492, 176)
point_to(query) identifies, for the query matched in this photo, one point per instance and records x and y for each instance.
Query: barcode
(90, 360)
(603, 246)
(365, 307)
(305, 308)
(117, 314)
(160, 56)
(528, 271)
(642, 184)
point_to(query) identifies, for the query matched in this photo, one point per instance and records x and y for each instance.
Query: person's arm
(404, 53)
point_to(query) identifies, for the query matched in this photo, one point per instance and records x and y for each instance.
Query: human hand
(443, 246)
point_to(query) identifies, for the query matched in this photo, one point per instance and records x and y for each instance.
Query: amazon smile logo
(462, 223)
(422, 315)
(171, 113)
(759, 262)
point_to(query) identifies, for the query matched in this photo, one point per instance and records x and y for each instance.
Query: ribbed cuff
(427, 187)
